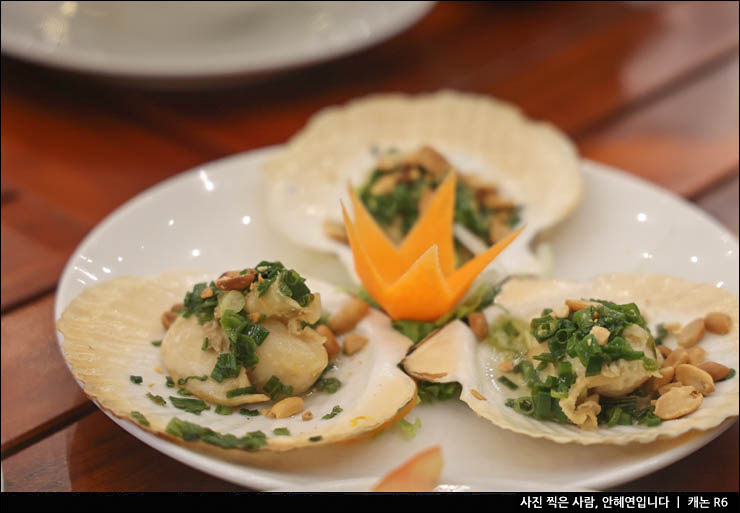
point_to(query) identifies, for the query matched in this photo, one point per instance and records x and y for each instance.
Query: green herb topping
(241, 391)
(204, 347)
(156, 343)
(190, 432)
(327, 385)
(183, 381)
(571, 337)
(223, 410)
(274, 388)
(334, 412)
(196, 305)
(281, 431)
(189, 405)
(141, 419)
(315, 438)
(409, 430)
(169, 382)
(290, 283)
(156, 399)
(248, 413)
(429, 392)
(137, 380)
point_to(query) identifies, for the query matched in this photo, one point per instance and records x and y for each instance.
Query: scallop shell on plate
(107, 337)
(533, 163)
(454, 354)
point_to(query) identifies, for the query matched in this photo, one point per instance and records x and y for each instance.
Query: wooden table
(651, 88)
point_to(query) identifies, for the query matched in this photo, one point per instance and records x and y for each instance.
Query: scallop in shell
(532, 163)
(454, 354)
(108, 332)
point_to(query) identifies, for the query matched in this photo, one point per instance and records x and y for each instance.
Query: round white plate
(212, 218)
(167, 40)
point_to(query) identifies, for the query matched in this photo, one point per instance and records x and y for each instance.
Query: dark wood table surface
(651, 88)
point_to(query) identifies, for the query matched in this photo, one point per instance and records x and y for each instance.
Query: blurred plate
(624, 224)
(196, 40)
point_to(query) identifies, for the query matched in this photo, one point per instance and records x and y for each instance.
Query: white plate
(165, 40)
(212, 218)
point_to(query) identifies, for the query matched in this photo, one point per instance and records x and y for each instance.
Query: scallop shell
(531, 162)
(455, 355)
(108, 332)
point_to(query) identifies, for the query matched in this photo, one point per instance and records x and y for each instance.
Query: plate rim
(409, 13)
(259, 480)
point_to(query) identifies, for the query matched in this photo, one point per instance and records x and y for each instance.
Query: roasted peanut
(430, 160)
(498, 230)
(255, 317)
(354, 343)
(562, 312)
(234, 280)
(676, 358)
(479, 325)
(696, 355)
(168, 318)
(601, 334)
(206, 293)
(384, 184)
(348, 316)
(717, 322)
(477, 395)
(506, 366)
(666, 374)
(335, 230)
(677, 402)
(714, 369)
(307, 415)
(286, 408)
(693, 376)
(331, 345)
(672, 327)
(577, 304)
(691, 334)
(665, 388)
(665, 351)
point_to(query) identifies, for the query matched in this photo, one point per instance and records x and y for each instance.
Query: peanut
(665, 351)
(577, 304)
(714, 369)
(561, 313)
(696, 355)
(666, 374)
(677, 402)
(307, 415)
(168, 318)
(717, 322)
(691, 334)
(354, 343)
(331, 345)
(693, 376)
(506, 366)
(601, 334)
(676, 358)
(233, 280)
(479, 325)
(665, 388)
(477, 395)
(348, 316)
(335, 230)
(286, 408)
(206, 293)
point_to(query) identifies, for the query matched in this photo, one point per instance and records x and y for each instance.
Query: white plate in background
(212, 218)
(171, 40)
